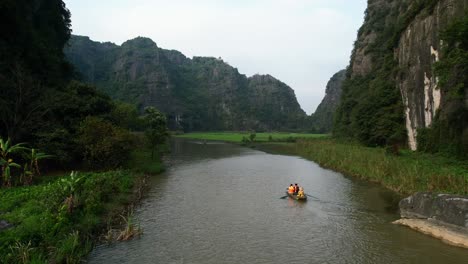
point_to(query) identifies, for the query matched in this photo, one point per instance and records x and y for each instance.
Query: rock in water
(447, 208)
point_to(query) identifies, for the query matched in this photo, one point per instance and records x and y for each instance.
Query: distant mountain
(202, 93)
(322, 119)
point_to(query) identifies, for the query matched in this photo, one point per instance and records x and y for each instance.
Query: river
(221, 203)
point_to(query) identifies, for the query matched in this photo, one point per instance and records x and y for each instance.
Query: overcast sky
(300, 42)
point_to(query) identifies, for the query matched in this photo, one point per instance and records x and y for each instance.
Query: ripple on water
(220, 204)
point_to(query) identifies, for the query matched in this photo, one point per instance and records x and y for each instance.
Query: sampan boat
(294, 196)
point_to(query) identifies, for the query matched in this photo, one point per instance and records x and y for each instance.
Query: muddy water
(220, 203)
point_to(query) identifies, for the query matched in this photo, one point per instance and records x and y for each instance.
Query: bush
(104, 145)
(252, 136)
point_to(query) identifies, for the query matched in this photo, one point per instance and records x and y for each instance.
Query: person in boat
(300, 193)
(296, 188)
(291, 189)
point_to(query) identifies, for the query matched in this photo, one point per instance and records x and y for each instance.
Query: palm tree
(6, 149)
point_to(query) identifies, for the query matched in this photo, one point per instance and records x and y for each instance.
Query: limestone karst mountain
(201, 93)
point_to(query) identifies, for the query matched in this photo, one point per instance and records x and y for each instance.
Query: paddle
(311, 196)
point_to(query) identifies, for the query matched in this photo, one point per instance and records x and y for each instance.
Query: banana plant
(35, 157)
(6, 163)
(6, 170)
(69, 186)
(6, 148)
(27, 175)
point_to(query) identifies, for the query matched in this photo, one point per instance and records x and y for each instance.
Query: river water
(220, 203)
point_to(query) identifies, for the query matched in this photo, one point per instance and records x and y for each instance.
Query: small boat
(294, 196)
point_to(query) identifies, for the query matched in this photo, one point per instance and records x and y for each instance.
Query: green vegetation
(449, 131)
(259, 137)
(321, 121)
(371, 109)
(156, 133)
(58, 221)
(66, 124)
(199, 94)
(406, 173)
(104, 145)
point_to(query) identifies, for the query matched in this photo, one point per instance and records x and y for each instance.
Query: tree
(126, 116)
(156, 128)
(252, 136)
(104, 145)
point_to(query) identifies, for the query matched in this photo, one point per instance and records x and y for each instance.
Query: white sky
(300, 42)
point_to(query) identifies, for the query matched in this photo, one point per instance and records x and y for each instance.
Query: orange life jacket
(291, 189)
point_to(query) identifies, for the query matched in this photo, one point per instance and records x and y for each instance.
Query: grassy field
(238, 136)
(406, 173)
(58, 220)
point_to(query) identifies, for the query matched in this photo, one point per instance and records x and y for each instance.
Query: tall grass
(406, 173)
(46, 230)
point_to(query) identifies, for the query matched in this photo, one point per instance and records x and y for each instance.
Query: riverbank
(406, 173)
(59, 221)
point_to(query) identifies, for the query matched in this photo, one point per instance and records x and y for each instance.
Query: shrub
(104, 145)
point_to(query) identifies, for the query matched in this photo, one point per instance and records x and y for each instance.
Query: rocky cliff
(196, 94)
(392, 91)
(322, 119)
(419, 48)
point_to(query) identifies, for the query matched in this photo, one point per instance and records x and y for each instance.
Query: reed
(405, 173)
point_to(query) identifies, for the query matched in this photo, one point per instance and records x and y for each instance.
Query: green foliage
(104, 145)
(156, 132)
(32, 62)
(43, 232)
(252, 136)
(126, 116)
(39, 102)
(449, 131)
(199, 94)
(321, 121)
(371, 108)
(6, 161)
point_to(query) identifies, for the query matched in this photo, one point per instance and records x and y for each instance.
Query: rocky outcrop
(195, 94)
(322, 119)
(417, 51)
(451, 209)
(451, 235)
(378, 12)
(392, 89)
(443, 216)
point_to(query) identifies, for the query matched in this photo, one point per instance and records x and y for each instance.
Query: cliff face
(417, 51)
(322, 119)
(196, 94)
(391, 90)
